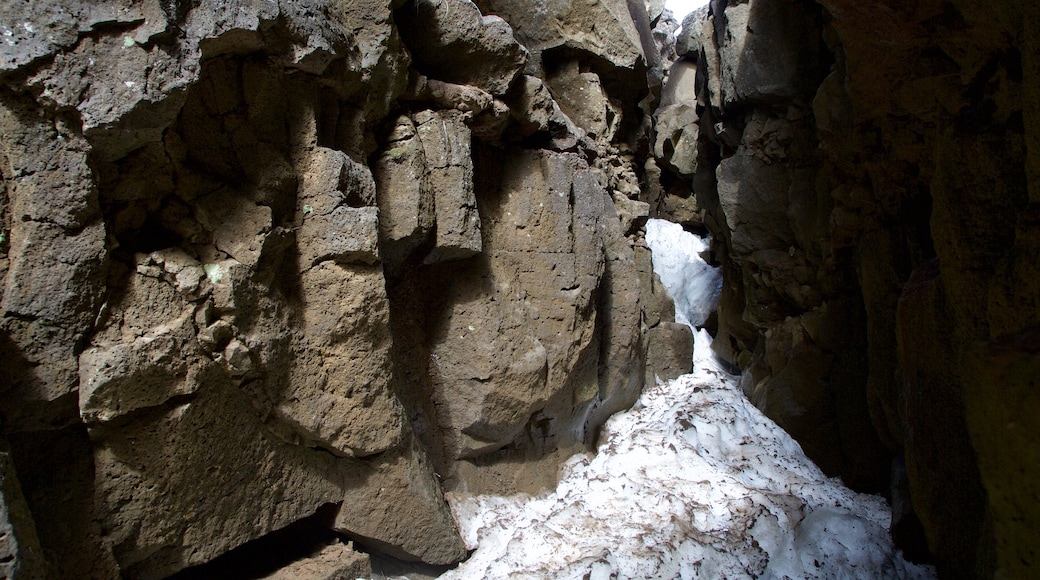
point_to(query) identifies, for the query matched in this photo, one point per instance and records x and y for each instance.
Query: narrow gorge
(316, 289)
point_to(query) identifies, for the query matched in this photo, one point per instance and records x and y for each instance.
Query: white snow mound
(694, 285)
(693, 482)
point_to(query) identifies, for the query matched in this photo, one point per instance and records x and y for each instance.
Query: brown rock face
(271, 261)
(869, 173)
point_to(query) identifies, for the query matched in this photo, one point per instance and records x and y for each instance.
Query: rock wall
(279, 266)
(869, 172)
(271, 264)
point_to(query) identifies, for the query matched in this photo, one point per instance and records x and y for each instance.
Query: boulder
(336, 207)
(762, 56)
(203, 458)
(338, 396)
(526, 348)
(535, 110)
(583, 99)
(419, 527)
(603, 29)
(450, 40)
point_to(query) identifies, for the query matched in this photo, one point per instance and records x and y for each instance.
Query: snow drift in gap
(692, 482)
(694, 285)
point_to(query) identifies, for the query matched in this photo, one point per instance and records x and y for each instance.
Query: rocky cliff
(869, 173)
(275, 275)
(308, 264)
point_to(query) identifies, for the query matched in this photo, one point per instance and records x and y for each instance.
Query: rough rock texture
(669, 345)
(20, 552)
(597, 46)
(446, 144)
(604, 29)
(869, 173)
(452, 41)
(267, 260)
(262, 260)
(334, 562)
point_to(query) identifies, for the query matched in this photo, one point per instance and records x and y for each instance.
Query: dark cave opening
(266, 555)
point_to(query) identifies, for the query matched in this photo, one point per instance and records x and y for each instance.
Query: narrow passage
(693, 482)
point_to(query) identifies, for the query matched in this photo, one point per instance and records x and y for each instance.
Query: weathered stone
(128, 377)
(690, 39)
(48, 178)
(762, 53)
(65, 23)
(632, 213)
(535, 110)
(406, 204)
(604, 29)
(203, 459)
(451, 41)
(216, 336)
(678, 130)
(657, 303)
(174, 266)
(418, 526)
(876, 183)
(488, 383)
(50, 269)
(195, 309)
(338, 395)
(196, 162)
(677, 122)
(334, 562)
(654, 8)
(622, 363)
(664, 28)
(53, 285)
(682, 210)
(681, 88)
(20, 551)
(754, 199)
(492, 124)
(583, 99)
(239, 225)
(463, 98)
(669, 352)
(56, 472)
(345, 234)
(336, 207)
(526, 349)
(446, 145)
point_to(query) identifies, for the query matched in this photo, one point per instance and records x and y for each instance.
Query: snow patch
(692, 482)
(680, 8)
(694, 285)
